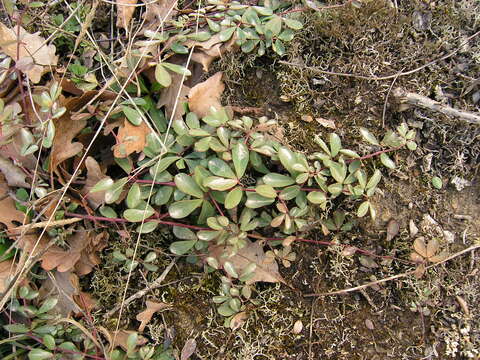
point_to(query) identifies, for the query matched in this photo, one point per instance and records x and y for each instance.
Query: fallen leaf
(349, 250)
(369, 324)
(7, 269)
(172, 99)
(146, 315)
(412, 228)
(14, 175)
(28, 45)
(205, 95)
(120, 337)
(156, 13)
(8, 212)
(94, 175)
(125, 10)
(81, 254)
(266, 271)
(188, 349)
(64, 286)
(392, 229)
(307, 118)
(326, 123)
(130, 139)
(297, 327)
(238, 320)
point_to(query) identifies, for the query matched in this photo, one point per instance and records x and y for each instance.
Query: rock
(449, 236)
(412, 228)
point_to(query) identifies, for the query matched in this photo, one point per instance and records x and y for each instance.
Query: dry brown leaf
(238, 320)
(168, 98)
(120, 337)
(64, 286)
(27, 46)
(14, 175)
(205, 95)
(146, 315)
(125, 12)
(188, 349)
(7, 269)
(63, 146)
(266, 271)
(94, 175)
(81, 254)
(130, 139)
(420, 246)
(156, 13)
(326, 123)
(392, 229)
(8, 212)
(432, 247)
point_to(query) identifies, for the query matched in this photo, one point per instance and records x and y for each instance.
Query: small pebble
(298, 327)
(413, 228)
(369, 324)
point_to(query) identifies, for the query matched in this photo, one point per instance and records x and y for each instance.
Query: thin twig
(156, 284)
(394, 277)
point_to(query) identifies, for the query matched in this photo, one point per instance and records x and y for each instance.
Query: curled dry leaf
(94, 175)
(205, 95)
(81, 254)
(330, 124)
(297, 327)
(146, 315)
(427, 251)
(130, 139)
(420, 246)
(266, 270)
(392, 229)
(65, 287)
(14, 175)
(238, 320)
(7, 269)
(28, 49)
(463, 304)
(125, 10)
(188, 349)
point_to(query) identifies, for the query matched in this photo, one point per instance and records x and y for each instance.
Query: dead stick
(398, 276)
(157, 283)
(405, 97)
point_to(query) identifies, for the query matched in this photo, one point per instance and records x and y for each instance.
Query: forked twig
(394, 277)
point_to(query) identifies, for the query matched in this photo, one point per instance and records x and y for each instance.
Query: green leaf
(278, 47)
(132, 341)
(134, 116)
(233, 197)
(162, 165)
(274, 25)
(162, 76)
(286, 35)
(338, 171)
(374, 180)
(16, 328)
(437, 182)
(39, 354)
(219, 183)
(225, 310)
(221, 168)
(411, 145)
(349, 153)
(278, 180)
(335, 144)
(47, 305)
(240, 157)
(187, 185)
(113, 193)
(163, 195)
(183, 208)
(293, 24)
(137, 215)
(368, 136)
(49, 341)
(385, 159)
(184, 233)
(288, 159)
(226, 34)
(255, 201)
(177, 68)
(102, 185)
(215, 27)
(230, 269)
(289, 193)
(179, 48)
(134, 196)
(182, 247)
(147, 227)
(335, 189)
(266, 190)
(317, 197)
(363, 209)
(207, 235)
(200, 36)
(264, 11)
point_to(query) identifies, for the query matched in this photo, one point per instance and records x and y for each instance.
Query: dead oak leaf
(125, 10)
(14, 175)
(7, 269)
(8, 212)
(173, 98)
(266, 268)
(146, 315)
(130, 139)
(63, 286)
(94, 175)
(157, 13)
(202, 97)
(28, 48)
(120, 337)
